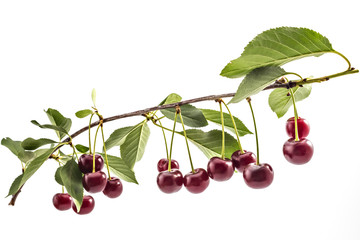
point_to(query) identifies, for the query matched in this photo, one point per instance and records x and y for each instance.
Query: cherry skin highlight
(87, 205)
(303, 127)
(196, 182)
(94, 182)
(241, 160)
(170, 181)
(163, 164)
(62, 201)
(298, 152)
(258, 176)
(113, 188)
(220, 169)
(86, 163)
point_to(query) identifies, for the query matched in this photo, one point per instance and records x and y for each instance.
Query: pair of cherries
(93, 182)
(63, 201)
(172, 181)
(298, 152)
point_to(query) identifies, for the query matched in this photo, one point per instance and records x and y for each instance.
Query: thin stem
(347, 60)
(165, 128)
(235, 128)
(296, 116)
(256, 134)
(90, 134)
(166, 145)
(222, 132)
(172, 140)
(106, 159)
(186, 140)
(97, 130)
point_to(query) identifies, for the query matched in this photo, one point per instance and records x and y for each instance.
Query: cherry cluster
(256, 175)
(94, 180)
(218, 169)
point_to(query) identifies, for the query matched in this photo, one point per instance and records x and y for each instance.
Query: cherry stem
(235, 128)
(172, 140)
(222, 131)
(256, 133)
(166, 145)
(296, 116)
(89, 132)
(97, 130)
(178, 110)
(106, 158)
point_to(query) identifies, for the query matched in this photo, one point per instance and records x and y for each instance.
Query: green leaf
(121, 169)
(32, 144)
(58, 178)
(81, 148)
(93, 96)
(192, 116)
(134, 145)
(118, 137)
(172, 98)
(16, 148)
(83, 113)
(210, 142)
(72, 180)
(277, 47)
(15, 186)
(256, 81)
(280, 102)
(32, 167)
(214, 116)
(57, 119)
(60, 130)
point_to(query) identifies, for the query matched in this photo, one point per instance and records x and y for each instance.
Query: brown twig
(143, 112)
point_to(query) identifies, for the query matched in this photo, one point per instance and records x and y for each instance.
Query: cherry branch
(143, 112)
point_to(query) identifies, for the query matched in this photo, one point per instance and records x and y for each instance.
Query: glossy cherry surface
(241, 160)
(163, 164)
(196, 182)
(62, 201)
(298, 152)
(113, 188)
(258, 176)
(86, 163)
(220, 169)
(87, 205)
(170, 181)
(94, 182)
(303, 127)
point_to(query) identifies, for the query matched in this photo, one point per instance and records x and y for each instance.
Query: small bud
(352, 69)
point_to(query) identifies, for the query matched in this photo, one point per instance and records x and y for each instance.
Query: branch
(277, 84)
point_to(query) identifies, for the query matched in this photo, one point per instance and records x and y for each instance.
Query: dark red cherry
(62, 201)
(170, 182)
(94, 182)
(303, 127)
(220, 169)
(163, 164)
(258, 176)
(241, 160)
(113, 188)
(86, 163)
(87, 205)
(196, 182)
(298, 152)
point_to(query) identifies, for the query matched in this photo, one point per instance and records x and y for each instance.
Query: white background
(52, 53)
